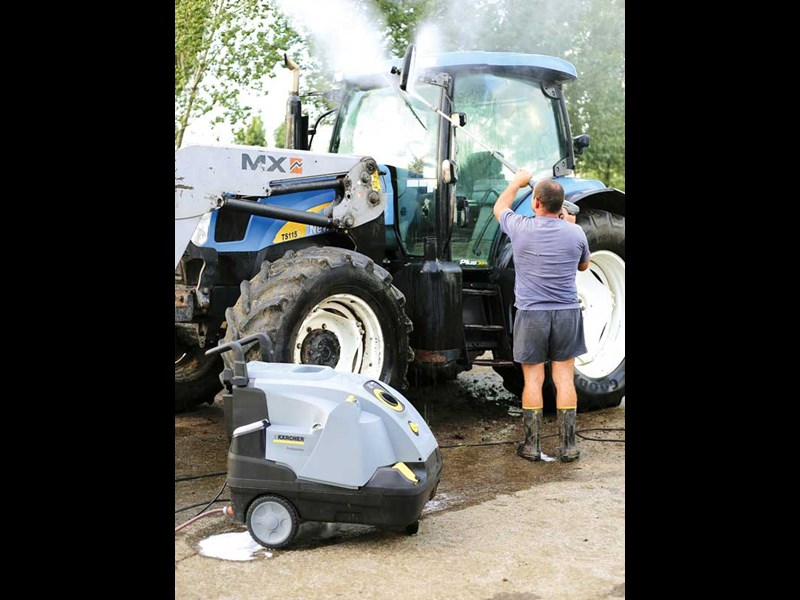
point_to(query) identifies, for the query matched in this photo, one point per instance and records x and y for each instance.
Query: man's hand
(506, 198)
(521, 178)
(566, 216)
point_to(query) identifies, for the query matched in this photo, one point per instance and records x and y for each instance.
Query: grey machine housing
(340, 447)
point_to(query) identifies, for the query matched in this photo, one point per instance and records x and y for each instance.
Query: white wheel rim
(601, 293)
(356, 328)
(271, 522)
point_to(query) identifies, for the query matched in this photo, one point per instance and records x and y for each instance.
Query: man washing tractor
(380, 254)
(547, 248)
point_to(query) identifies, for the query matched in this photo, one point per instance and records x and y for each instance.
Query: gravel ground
(499, 528)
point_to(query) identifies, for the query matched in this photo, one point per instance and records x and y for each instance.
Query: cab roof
(539, 65)
(536, 66)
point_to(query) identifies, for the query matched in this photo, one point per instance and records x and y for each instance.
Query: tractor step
(477, 292)
(470, 327)
(489, 362)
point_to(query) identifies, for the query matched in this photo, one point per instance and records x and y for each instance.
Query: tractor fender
(608, 199)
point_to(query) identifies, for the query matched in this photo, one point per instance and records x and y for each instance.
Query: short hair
(550, 194)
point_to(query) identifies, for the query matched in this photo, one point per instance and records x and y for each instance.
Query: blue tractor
(382, 256)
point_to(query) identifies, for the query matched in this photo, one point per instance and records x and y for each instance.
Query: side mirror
(409, 61)
(579, 142)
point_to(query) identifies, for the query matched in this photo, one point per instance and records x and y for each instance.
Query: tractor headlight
(200, 235)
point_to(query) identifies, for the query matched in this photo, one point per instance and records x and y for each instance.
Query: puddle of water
(233, 546)
(442, 501)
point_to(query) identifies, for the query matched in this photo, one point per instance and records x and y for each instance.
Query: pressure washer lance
(457, 120)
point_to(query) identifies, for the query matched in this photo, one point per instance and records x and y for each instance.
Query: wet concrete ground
(499, 528)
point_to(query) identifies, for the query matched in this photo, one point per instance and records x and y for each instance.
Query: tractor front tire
(327, 306)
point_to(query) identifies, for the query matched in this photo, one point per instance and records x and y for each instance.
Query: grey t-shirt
(546, 256)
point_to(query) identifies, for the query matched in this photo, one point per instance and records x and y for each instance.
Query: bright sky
(271, 107)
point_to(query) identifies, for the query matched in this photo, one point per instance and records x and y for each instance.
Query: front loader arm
(211, 178)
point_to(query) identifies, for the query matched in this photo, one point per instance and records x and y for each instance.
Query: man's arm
(506, 199)
(583, 261)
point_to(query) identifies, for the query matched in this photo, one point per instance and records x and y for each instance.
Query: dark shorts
(542, 335)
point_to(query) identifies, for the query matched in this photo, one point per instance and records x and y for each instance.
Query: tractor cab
(512, 101)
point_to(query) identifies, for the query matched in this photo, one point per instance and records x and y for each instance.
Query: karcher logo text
(292, 440)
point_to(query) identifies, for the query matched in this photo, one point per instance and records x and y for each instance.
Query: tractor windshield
(376, 122)
(506, 112)
(513, 116)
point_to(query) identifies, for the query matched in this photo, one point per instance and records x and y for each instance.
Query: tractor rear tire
(600, 381)
(196, 378)
(329, 306)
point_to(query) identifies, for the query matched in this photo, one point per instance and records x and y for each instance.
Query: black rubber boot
(566, 433)
(531, 449)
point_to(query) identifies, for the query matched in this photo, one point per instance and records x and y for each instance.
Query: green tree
(403, 20)
(597, 99)
(280, 135)
(221, 48)
(253, 135)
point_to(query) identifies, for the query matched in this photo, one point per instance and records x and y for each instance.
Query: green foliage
(280, 135)
(253, 135)
(191, 19)
(402, 20)
(597, 99)
(221, 48)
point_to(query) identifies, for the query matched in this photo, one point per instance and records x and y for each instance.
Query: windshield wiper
(404, 98)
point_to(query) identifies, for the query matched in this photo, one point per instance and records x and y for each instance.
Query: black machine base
(387, 500)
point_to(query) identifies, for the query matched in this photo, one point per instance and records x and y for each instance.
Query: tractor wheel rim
(358, 335)
(601, 293)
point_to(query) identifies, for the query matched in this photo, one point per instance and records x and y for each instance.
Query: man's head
(548, 197)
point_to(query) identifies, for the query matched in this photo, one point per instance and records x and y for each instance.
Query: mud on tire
(279, 298)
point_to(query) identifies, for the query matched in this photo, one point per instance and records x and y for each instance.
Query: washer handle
(240, 377)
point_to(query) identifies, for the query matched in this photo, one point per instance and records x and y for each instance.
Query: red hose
(225, 511)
